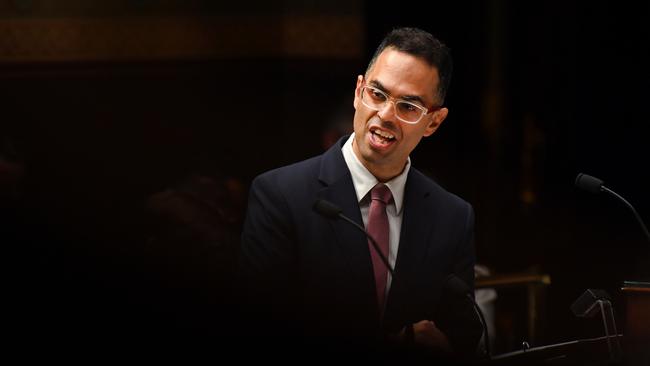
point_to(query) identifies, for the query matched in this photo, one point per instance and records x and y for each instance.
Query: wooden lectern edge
(635, 289)
(512, 280)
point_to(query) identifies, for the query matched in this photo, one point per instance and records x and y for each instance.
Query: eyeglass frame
(424, 109)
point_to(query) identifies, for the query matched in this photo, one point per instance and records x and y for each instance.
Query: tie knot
(381, 192)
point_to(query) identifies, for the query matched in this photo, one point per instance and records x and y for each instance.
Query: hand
(427, 334)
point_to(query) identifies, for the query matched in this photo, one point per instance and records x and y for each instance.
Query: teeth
(383, 134)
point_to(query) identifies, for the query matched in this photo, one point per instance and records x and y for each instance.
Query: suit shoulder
(292, 174)
(440, 192)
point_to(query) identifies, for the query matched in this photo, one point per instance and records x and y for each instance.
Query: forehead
(404, 74)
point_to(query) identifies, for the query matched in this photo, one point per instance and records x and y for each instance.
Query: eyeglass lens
(406, 111)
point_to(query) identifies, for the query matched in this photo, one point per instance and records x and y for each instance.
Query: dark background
(124, 175)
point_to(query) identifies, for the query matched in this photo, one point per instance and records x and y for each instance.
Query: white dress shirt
(363, 182)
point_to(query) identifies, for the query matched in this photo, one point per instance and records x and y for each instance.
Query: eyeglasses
(405, 111)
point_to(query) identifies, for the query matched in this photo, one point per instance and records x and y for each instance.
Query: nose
(387, 112)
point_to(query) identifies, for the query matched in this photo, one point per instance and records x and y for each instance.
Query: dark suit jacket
(313, 276)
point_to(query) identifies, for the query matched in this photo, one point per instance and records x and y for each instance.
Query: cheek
(361, 116)
(413, 134)
(358, 122)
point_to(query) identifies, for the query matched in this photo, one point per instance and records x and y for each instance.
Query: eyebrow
(410, 98)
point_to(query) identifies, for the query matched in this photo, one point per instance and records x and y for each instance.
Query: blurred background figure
(192, 243)
(338, 124)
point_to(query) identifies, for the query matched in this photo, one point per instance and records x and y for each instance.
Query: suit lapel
(414, 239)
(416, 221)
(339, 189)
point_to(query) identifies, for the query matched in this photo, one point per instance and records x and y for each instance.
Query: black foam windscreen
(327, 209)
(589, 183)
(585, 305)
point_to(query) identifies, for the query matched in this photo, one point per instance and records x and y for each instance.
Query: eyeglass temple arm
(433, 109)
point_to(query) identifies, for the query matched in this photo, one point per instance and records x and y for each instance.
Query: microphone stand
(478, 311)
(629, 205)
(595, 185)
(372, 241)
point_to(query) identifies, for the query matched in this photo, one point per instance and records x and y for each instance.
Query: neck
(383, 175)
(383, 172)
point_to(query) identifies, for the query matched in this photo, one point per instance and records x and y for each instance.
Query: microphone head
(589, 183)
(327, 209)
(585, 305)
(456, 285)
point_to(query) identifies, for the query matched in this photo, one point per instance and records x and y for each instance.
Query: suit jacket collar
(333, 166)
(337, 182)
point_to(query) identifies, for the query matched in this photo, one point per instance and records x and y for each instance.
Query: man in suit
(306, 275)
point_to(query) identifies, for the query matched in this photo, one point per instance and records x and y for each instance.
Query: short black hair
(421, 44)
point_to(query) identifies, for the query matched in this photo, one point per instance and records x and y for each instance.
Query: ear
(357, 90)
(435, 120)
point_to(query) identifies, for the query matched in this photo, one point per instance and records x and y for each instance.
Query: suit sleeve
(267, 261)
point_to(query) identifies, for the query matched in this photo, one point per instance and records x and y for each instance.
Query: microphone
(458, 287)
(334, 212)
(595, 185)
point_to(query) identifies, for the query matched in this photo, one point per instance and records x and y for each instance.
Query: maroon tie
(378, 229)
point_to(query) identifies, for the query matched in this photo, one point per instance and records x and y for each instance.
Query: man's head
(423, 45)
(399, 100)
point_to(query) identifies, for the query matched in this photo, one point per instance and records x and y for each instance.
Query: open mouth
(382, 138)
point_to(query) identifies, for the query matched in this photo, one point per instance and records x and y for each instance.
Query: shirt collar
(363, 180)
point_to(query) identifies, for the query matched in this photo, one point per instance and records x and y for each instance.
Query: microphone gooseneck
(595, 185)
(457, 286)
(333, 212)
(460, 288)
